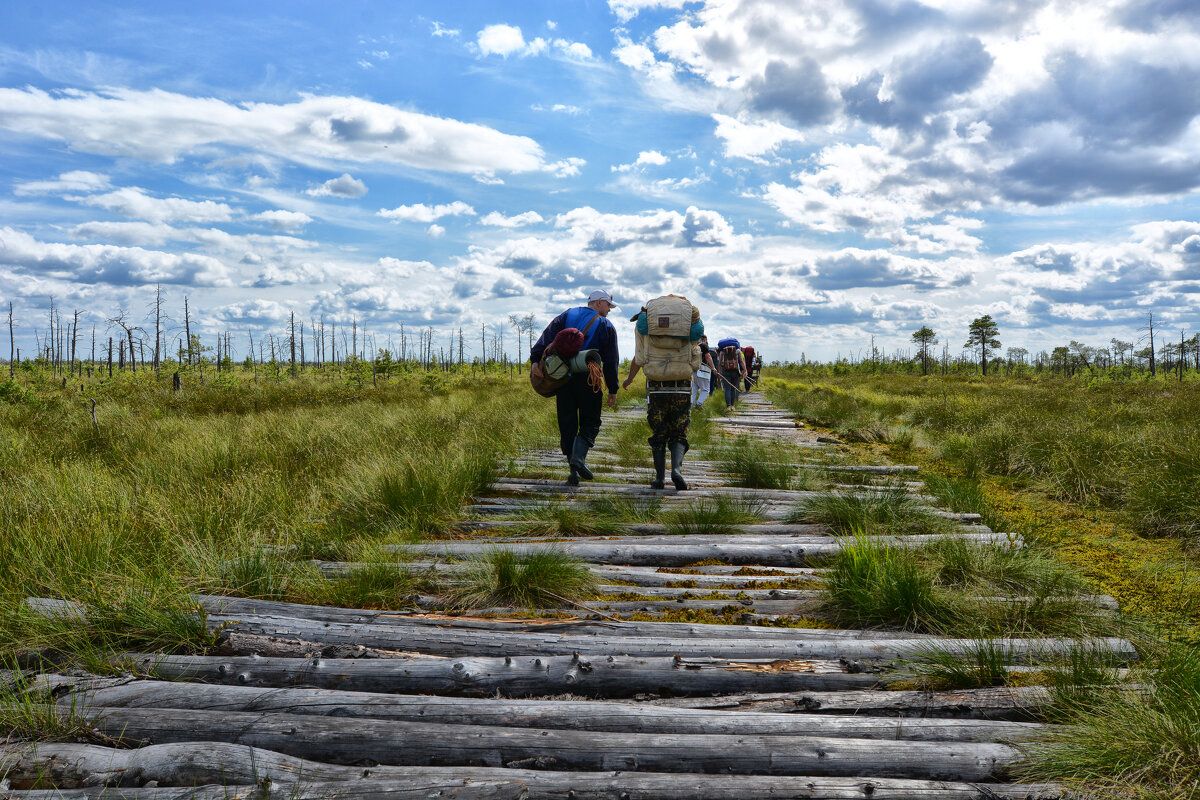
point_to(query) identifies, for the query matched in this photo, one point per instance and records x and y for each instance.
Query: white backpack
(666, 351)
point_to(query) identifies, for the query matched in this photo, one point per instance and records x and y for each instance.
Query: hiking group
(576, 358)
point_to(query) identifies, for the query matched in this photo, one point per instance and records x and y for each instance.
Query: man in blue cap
(578, 404)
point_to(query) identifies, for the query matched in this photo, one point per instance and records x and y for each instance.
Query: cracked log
(71, 765)
(350, 741)
(516, 676)
(457, 642)
(553, 714)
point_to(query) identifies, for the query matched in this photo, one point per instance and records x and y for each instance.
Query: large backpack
(729, 359)
(667, 338)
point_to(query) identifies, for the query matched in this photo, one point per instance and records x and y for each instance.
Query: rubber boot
(578, 458)
(677, 451)
(660, 466)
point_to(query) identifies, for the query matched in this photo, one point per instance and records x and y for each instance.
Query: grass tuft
(892, 511)
(874, 584)
(538, 579)
(714, 514)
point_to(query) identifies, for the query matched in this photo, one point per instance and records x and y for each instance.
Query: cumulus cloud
(425, 213)
(498, 220)
(651, 158)
(507, 40)
(281, 220)
(163, 126)
(108, 264)
(752, 139)
(344, 186)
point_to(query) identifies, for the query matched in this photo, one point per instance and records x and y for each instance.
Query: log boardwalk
(703, 668)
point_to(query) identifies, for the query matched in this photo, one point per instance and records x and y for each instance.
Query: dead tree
(12, 342)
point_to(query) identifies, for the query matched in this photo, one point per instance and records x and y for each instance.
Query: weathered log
(681, 552)
(551, 714)
(201, 762)
(514, 676)
(1015, 703)
(399, 788)
(457, 642)
(348, 741)
(234, 606)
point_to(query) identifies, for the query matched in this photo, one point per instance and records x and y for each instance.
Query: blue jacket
(602, 337)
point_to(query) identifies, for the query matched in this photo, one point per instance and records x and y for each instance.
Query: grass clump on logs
(27, 714)
(756, 464)
(892, 511)
(720, 514)
(544, 578)
(1131, 743)
(871, 584)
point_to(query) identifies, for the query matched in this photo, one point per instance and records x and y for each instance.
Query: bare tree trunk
(12, 343)
(187, 329)
(292, 344)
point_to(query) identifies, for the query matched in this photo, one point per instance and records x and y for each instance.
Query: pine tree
(924, 337)
(983, 334)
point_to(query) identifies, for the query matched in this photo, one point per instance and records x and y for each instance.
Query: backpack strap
(588, 327)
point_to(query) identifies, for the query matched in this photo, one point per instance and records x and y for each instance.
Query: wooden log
(211, 762)
(451, 642)
(353, 740)
(584, 627)
(679, 551)
(515, 676)
(399, 788)
(662, 592)
(1015, 703)
(551, 714)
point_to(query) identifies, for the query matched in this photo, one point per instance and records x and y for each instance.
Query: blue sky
(811, 173)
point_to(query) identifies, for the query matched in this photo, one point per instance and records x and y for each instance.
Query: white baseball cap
(600, 294)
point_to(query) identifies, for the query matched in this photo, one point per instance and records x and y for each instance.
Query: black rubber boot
(660, 466)
(578, 458)
(677, 451)
(573, 478)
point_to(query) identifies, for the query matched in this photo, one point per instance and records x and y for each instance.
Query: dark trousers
(578, 413)
(732, 377)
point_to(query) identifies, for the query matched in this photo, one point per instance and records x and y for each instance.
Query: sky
(812, 174)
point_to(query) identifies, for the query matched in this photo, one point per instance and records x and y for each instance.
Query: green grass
(717, 514)
(30, 716)
(545, 578)
(175, 485)
(984, 663)
(1129, 743)
(873, 584)
(890, 511)
(755, 464)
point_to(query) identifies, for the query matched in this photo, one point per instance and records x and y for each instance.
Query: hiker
(703, 377)
(731, 366)
(579, 401)
(668, 350)
(753, 366)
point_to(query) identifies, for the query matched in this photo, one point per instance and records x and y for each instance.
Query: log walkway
(609, 698)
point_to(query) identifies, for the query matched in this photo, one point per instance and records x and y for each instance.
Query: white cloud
(317, 130)
(501, 40)
(108, 264)
(423, 213)
(344, 186)
(498, 220)
(437, 29)
(74, 181)
(134, 203)
(281, 220)
(753, 139)
(626, 10)
(436, 231)
(645, 158)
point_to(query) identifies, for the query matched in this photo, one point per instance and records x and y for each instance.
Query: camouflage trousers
(669, 416)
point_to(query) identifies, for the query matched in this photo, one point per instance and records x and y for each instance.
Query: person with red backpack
(731, 366)
(753, 366)
(579, 401)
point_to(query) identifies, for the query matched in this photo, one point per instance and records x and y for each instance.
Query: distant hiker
(731, 366)
(668, 335)
(579, 401)
(702, 379)
(753, 366)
